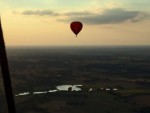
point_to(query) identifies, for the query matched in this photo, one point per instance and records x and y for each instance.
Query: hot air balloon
(76, 27)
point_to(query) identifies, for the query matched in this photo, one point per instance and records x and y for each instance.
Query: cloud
(50, 13)
(107, 16)
(82, 13)
(111, 16)
(39, 12)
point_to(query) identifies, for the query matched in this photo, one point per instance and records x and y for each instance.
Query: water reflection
(36, 93)
(67, 87)
(22, 94)
(58, 88)
(50, 91)
(63, 88)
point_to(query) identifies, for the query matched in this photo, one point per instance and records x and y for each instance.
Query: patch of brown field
(138, 80)
(141, 100)
(56, 106)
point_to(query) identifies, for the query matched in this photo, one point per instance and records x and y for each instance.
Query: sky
(47, 22)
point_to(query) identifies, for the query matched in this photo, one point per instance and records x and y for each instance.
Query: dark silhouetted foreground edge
(6, 74)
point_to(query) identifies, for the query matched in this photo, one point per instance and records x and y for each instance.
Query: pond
(58, 88)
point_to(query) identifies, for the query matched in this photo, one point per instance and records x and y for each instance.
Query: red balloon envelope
(76, 27)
